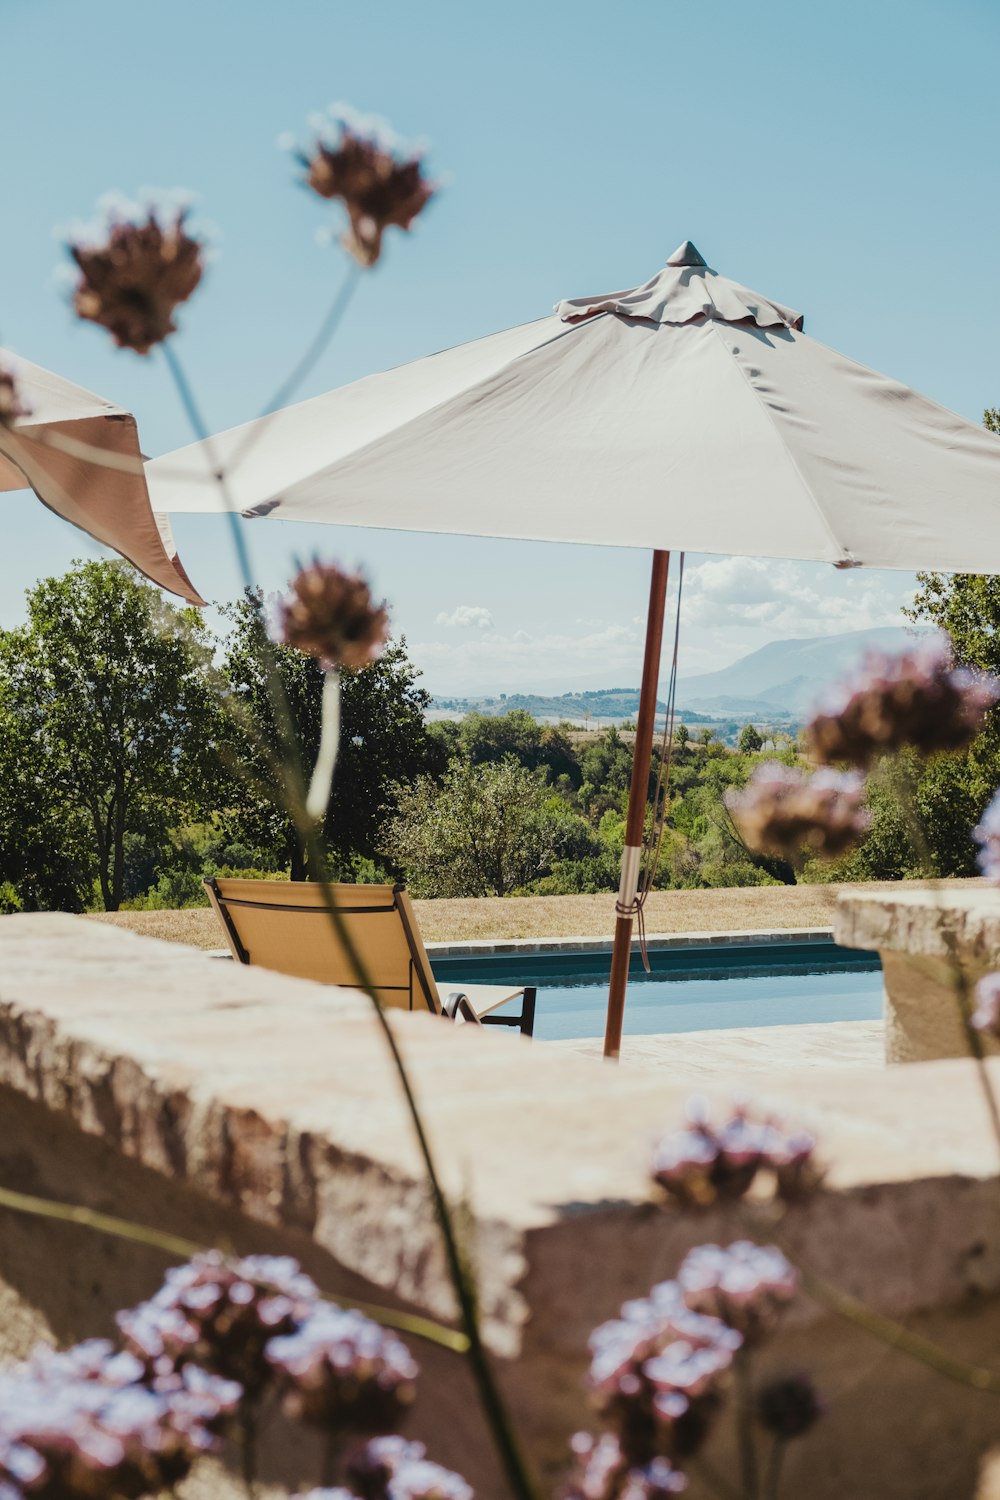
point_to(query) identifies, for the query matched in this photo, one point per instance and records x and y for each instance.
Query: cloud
(784, 600)
(482, 664)
(466, 615)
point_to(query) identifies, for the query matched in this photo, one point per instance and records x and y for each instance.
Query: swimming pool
(691, 988)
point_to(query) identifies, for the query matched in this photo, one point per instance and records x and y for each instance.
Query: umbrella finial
(686, 255)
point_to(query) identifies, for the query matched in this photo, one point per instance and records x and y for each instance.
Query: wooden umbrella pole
(637, 799)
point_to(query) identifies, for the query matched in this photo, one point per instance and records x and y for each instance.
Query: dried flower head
(657, 1372)
(987, 836)
(12, 405)
(330, 614)
(342, 1371)
(916, 698)
(378, 183)
(986, 1015)
(789, 1406)
(703, 1163)
(220, 1314)
(390, 1468)
(82, 1425)
(136, 276)
(744, 1284)
(783, 811)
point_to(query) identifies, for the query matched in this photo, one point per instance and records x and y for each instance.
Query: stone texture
(243, 1108)
(934, 945)
(704, 1056)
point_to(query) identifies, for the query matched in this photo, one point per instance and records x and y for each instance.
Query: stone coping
(277, 1097)
(917, 921)
(765, 937)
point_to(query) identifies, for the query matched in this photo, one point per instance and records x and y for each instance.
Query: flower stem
(318, 798)
(248, 1447)
(772, 1476)
(743, 1370)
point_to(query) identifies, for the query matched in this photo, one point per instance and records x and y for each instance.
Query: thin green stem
(248, 1446)
(746, 1440)
(171, 1244)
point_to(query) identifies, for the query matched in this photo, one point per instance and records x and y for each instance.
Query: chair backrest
(285, 925)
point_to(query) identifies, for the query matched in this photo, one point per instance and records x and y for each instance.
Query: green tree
(750, 740)
(107, 691)
(482, 832)
(384, 745)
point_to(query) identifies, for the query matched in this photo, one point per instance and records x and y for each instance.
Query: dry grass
(557, 916)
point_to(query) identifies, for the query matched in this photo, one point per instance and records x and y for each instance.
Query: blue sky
(838, 158)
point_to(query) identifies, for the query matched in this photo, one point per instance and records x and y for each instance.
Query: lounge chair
(284, 925)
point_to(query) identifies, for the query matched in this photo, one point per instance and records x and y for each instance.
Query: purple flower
(220, 1314)
(917, 698)
(704, 1163)
(340, 1370)
(602, 1472)
(390, 1468)
(783, 811)
(986, 1016)
(744, 1284)
(987, 836)
(79, 1425)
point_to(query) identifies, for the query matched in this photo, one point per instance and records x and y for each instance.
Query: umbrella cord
(653, 842)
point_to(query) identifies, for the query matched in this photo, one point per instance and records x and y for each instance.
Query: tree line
(139, 754)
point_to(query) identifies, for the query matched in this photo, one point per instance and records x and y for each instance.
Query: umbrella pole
(637, 799)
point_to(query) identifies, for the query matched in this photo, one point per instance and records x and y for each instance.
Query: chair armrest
(458, 1004)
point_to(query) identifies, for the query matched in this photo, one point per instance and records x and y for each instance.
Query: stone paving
(708, 1055)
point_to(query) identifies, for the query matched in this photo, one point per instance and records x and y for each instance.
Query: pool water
(691, 989)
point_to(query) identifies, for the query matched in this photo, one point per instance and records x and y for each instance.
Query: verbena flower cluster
(390, 1468)
(986, 1014)
(355, 161)
(12, 405)
(917, 698)
(330, 614)
(339, 1370)
(136, 276)
(987, 835)
(89, 1423)
(221, 1315)
(660, 1372)
(784, 811)
(703, 1162)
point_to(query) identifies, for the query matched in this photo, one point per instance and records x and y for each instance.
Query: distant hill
(777, 684)
(786, 677)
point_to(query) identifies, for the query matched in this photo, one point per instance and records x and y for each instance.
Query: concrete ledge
(487, 947)
(267, 1110)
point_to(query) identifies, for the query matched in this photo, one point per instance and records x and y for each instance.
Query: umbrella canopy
(688, 413)
(47, 451)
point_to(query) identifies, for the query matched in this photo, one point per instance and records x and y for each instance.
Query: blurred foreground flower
(703, 1163)
(917, 698)
(86, 1424)
(330, 614)
(788, 1406)
(784, 811)
(377, 184)
(343, 1372)
(12, 405)
(987, 836)
(986, 1015)
(744, 1284)
(602, 1472)
(390, 1468)
(134, 278)
(220, 1314)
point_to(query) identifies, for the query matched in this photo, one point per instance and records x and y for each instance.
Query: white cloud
(480, 665)
(466, 615)
(783, 600)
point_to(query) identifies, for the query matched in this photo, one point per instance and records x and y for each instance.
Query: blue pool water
(692, 989)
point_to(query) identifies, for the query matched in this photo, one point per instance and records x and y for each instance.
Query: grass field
(557, 916)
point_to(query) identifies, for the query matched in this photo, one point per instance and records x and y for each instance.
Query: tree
(750, 740)
(481, 832)
(384, 745)
(107, 690)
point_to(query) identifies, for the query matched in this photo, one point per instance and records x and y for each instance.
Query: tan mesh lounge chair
(284, 925)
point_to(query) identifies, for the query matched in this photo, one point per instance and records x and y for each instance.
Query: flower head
(703, 1163)
(986, 1015)
(81, 1425)
(917, 698)
(744, 1284)
(987, 836)
(377, 183)
(390, 1468)
(220, 1314)
(783, 811)
(602, 1472)
(137, 274)
(788, 1406)
(330, 614)
(12, 405)
(340, 1370)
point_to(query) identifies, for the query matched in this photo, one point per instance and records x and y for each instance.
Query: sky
(837, 158)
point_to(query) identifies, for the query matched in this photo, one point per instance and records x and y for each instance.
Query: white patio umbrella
(689, 413)
(80, 455)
